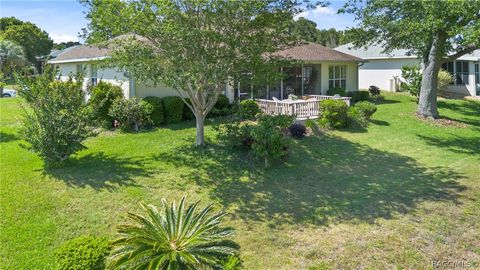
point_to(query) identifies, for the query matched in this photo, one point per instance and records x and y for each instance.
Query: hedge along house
(313, 71)
(385, 70)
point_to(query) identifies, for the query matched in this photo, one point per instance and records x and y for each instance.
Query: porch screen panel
(477, 78)
(461, 72)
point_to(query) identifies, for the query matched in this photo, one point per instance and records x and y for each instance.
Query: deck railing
(302, 109)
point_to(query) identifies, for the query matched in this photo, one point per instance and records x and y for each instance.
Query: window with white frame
(337, 76)
(93, 70)
(459, 70)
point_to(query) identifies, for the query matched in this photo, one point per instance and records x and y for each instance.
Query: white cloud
(324, 10)
(57, 38)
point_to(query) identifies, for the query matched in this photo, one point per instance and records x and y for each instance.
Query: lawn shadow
(8, 137)
(326, 179)
(467, 109)
(100, 171)
(457, 144)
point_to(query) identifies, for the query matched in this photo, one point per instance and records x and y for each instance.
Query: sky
(64, 19)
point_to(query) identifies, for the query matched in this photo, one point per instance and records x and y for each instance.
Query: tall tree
(194, 46)
(35, 41)
(304, 29)
(64, 45)
(11, 57)
(436, 31)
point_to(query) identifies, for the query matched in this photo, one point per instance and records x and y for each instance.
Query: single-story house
(316, 69)
(384, 70)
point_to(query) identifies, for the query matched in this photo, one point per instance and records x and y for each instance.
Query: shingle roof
(316, 52)
(373, 51)
(376, 52)
(82, 52)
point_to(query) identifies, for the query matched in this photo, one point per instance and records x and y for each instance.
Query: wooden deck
(302, 109)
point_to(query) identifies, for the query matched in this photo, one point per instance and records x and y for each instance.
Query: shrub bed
(131, 113)
(157, 116)
(336, 91)
(83, 253)
(101, 99)
(358, 96)
(173, 108)
(248, 109)
(333, 114)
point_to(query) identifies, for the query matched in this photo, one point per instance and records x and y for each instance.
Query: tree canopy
(35, 41)
(64, 45)
(304, 29)
(436, 31)
(12, 57)
(194, 46)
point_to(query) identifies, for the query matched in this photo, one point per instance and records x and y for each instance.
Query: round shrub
(158, 115)
(248, 109)
(374, 90)
(83, 253)
(333, 113)
(355, 118)
(336, 91)
(101, 99)
(130, 113)
(187, 112)
(358, 96)
(365, 108)
(173, 107)
(298, 130)
(221, 107)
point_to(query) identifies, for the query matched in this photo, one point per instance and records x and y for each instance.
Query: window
(79, 68)
(461, 72)
(93, 70)
(337, 76)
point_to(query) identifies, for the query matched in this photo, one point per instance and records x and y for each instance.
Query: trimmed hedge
(358, 96)
(221, 107)
(336, 91)
(83, 253)
(174, 108)
(157, 116)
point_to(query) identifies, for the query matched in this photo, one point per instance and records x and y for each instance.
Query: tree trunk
(427, 103)
(200, 141)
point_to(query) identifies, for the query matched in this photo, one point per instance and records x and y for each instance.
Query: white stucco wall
(380, 72)
(351, 76)
(108, 75)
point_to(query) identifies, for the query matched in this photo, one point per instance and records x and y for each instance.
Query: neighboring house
(317, 69)
(383, 70)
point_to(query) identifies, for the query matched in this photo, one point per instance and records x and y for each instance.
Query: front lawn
(402, 193)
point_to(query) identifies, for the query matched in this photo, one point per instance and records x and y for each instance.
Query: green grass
(400, 194)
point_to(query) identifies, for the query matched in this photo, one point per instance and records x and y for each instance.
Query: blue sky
(64, 19)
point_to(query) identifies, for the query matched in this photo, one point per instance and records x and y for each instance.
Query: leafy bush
(83, 253)
(101, 99)
(412, 80)
(187, 112)
(236, 133)
(173, 107)
(358, 96)
(374, 91)
(333, 113)
(298, 130)
(248, 109)
(221, 108)
(269, 140)
(58, 120)
(444, 80)
(365, 108)
(130, 113)
(355, 118)
(336, 91)
(157, 115)
(175, 237)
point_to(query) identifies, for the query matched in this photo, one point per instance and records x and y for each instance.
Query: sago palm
(174, 238)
